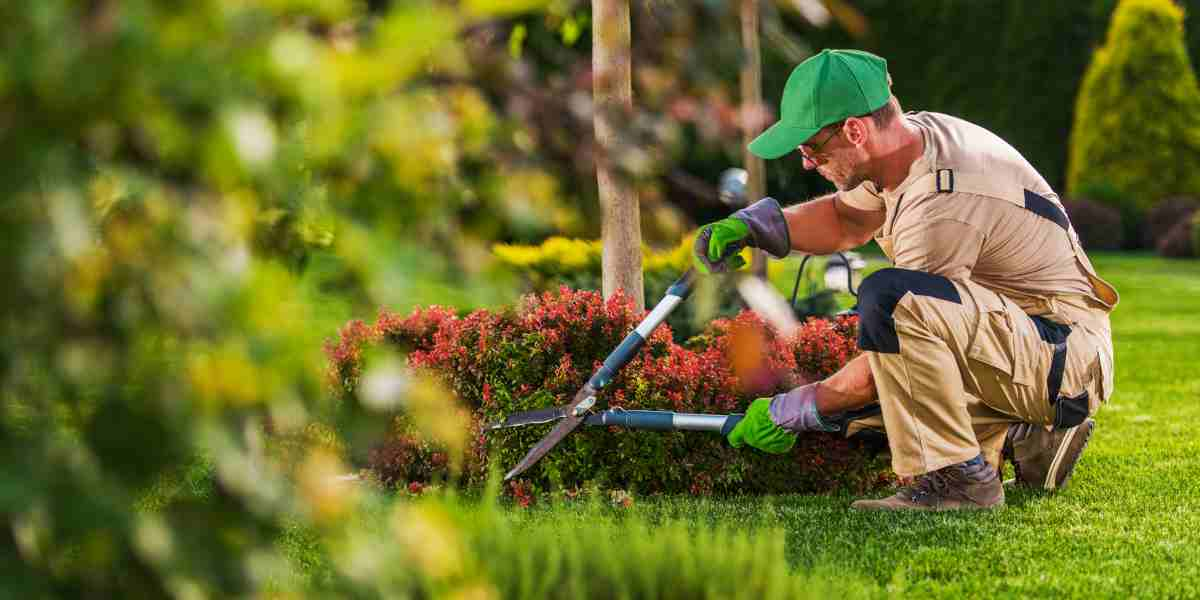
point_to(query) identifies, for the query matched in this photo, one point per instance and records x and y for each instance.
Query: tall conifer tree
(1136, 136)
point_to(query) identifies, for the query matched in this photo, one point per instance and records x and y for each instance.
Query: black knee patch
(877, 299)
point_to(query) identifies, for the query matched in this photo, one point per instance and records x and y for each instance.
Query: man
(991, 331)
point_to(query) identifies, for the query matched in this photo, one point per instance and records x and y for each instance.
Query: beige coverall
(966, 335)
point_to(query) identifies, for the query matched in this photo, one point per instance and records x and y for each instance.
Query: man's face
(836, 159)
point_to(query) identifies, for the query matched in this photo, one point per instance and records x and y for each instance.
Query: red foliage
(538, 354)
(822, 346)
(1177, 243)
(345, 356)
(1166, 217)
(521, 492)
(417, 329)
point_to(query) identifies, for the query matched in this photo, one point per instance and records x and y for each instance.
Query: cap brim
(779, 139)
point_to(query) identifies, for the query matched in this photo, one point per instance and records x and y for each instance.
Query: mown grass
(1127, 526)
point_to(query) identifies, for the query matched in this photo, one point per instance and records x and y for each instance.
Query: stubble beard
(850, 176)
(847, 183)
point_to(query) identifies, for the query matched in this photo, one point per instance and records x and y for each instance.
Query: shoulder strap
(981, 184)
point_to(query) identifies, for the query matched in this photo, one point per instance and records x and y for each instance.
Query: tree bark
(621, 226)
(751, 90)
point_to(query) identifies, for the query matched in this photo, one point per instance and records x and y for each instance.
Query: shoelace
(930, 484)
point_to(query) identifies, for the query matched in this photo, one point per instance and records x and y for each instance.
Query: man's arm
(827, 224)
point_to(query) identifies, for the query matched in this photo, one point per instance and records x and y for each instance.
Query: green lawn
(1127, 526)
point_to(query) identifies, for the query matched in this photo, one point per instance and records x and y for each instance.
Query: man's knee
(881, 292)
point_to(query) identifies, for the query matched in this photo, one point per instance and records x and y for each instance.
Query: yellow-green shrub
(576, 264)
(1137, 116)
(558, 257)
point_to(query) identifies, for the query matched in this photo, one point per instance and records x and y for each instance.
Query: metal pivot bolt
(584, 406)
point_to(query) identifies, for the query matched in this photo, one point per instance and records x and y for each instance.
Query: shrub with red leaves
(1178, 242)
(1165, 217)
(538, 354)
(345, 356)
(822, 346)
(406, 457)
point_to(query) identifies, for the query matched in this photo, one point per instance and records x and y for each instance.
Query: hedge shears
(579, 411)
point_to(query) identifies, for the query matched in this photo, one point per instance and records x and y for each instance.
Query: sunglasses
(814, 152)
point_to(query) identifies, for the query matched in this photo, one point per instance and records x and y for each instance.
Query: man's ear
(856, 130)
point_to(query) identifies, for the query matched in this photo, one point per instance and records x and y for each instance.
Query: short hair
(885, 114)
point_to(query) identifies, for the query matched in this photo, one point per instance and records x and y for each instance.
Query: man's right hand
(718, 244)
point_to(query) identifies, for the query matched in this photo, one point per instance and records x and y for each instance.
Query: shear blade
(531, 417)
(569, 422)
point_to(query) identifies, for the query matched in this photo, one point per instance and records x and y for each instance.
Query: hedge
(539, 353)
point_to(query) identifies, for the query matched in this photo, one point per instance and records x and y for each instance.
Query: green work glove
(759, 431)
(761, 225)
(718, 244)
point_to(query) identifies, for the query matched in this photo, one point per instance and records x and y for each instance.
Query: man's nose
(810, 163)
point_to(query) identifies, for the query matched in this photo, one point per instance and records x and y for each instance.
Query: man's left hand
(718, 244)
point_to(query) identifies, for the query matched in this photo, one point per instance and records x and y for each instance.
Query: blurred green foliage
(196, 195)
(1137, 121)
(583, 548)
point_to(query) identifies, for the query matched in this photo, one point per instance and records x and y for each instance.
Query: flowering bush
(538, 355)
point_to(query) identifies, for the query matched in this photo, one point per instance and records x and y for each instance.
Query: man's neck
(899, 150)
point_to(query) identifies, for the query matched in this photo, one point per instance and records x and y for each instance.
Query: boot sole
(1074, 445)
(915, 508)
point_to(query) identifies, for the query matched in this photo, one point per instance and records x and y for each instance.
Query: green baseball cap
(824, 89)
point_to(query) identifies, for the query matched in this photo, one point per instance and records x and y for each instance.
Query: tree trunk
(751, 88)
(621, 227)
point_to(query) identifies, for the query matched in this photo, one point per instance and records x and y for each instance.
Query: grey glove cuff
(797, 411)
(768, 227)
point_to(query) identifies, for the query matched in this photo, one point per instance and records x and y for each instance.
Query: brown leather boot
(955, 487)
(1044, 459)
